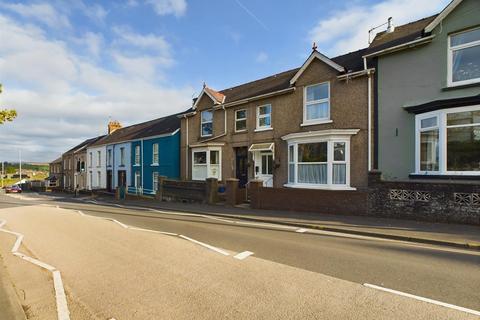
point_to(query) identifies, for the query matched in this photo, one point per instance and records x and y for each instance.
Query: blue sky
(69, 66)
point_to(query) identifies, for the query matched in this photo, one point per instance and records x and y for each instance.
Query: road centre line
(153, 231)
(243, 255)
(61, 300)
(301, 230)
(436, 302)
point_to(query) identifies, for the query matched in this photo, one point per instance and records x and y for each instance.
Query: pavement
(10, 305)
(110, 271)
(455, 235)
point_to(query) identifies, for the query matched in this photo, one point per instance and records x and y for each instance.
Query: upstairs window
(109, 157)
(264, 117)
(316, 103)
(464, 57)
(137, 155)
(206, 123)
(240, 120)
(90, 160)
(155, 153)
(99, 158)
(122, 156)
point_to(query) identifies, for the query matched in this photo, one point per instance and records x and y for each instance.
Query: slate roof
(85, 143)
(402, 34)
(150, 128)
(351, 61)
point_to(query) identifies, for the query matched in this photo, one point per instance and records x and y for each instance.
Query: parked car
(13, 189)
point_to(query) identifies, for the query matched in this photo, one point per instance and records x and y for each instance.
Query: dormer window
(464, 57)
(206, 123)
(316, 107)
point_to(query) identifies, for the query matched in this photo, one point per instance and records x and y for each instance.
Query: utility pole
(20, 165)
(3, 171)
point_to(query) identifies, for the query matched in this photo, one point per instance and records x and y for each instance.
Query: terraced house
(302, 128)
(135, 156)
(428, 119)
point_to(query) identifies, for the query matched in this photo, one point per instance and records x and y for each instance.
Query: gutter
(407, 45)
(356, 74)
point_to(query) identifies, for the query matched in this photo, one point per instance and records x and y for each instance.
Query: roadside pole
(20, 159)
(3, 171)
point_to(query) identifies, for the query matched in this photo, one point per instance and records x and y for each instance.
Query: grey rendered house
(428, 96)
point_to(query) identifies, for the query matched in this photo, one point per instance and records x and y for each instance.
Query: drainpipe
(369, 115)
(186, 148)
(141, 160)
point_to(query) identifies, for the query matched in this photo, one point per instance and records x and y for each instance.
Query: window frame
(242, 119)
(109, 157)
(263, 128)
(122, 156)
(155, 154)
(451, 49)
(330, 162)
(155, 181)
(205, 122)
(137, 156)
(99, 158)
(442, 141)
(327, 119)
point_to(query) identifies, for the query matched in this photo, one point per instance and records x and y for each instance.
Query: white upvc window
(321, 163)
(138, 180)
(448, 142)
(206, 163)
(464, 57)
(241, 120)
(90, 158)
(137, 155)
(206, 126)
(122, 156)
(99, 178)
(264, 117)
(155, 181)
(155, 153)
(91, 179)
(316, 104)
(99, 158)
(109, 157)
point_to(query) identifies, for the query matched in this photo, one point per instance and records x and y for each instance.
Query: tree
(6, 114)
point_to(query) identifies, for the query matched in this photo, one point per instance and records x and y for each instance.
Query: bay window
(319, 162)
(448, 141)
(316, 108)
(206, 126)
(464, 57)
(206, 163)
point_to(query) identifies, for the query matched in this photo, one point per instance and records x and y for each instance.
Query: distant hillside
(11, 167)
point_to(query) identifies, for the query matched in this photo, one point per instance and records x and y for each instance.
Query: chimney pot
(113, 125)
(390, 27)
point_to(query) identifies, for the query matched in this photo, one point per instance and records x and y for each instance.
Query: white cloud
(149, 41)
(347, 30)
(63, 97)
(41, 12)
(262, 57)
(165, 7)
(94, 43)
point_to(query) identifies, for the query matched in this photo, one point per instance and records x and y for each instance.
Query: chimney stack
(390, 27)
(113, 125)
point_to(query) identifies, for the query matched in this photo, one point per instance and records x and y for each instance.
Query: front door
(122, 178)
(241, 160)
(109, 180)
(264, 167)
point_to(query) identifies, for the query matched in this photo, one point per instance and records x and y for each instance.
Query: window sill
(154, 165)
(136, 165)
(204, 137)
(240, 131)
(312, 123)
(448, 176)
(461, 86)
(263, 129)
(319, 187)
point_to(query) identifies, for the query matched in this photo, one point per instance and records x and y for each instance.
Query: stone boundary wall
(442, 201)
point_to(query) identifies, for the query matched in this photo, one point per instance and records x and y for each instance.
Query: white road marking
(436, 302)
(62, 307)
(205, 245)
(81, 213)
(301, 230)
(118, 222)
(243, 255)
(153, 231)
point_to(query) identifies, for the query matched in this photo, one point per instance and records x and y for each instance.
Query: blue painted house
(155, 151)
